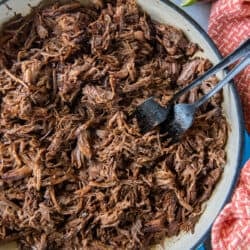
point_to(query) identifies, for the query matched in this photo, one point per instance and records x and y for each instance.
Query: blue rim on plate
(246, 155)
(238, 107)
(235, 94)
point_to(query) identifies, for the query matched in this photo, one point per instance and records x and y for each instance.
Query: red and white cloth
(229, 25)
(231, 229)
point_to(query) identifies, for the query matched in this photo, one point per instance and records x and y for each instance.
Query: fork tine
(150, 114)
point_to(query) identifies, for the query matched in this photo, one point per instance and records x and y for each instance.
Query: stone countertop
(199, 12)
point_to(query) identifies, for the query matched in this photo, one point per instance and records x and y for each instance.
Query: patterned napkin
(231, 229)
(230, 25)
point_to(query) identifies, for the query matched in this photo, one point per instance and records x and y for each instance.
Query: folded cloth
(231, 230)
(229, 25)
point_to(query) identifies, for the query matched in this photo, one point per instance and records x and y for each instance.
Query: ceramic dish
(166, 12)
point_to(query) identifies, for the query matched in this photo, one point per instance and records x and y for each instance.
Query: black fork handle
(241, 51)
(235, 71)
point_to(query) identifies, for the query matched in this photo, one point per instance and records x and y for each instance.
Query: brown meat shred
(75, 171)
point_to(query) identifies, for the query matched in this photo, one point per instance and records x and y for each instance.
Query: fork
(178, 118)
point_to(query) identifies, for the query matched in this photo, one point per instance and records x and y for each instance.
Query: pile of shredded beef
(75, 171)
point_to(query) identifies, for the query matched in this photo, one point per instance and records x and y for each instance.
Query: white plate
(166, 12)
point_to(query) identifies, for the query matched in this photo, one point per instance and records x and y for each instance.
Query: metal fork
(178, 118)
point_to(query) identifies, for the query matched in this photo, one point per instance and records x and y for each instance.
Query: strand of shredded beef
(75, 172)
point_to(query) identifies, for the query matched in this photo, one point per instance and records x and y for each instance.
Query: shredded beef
(75, 171)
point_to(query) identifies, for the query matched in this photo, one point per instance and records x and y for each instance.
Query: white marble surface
(199, 12)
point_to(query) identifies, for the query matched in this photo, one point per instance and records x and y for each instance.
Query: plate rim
(236, 96)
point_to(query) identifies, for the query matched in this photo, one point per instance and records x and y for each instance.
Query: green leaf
(188, 3)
